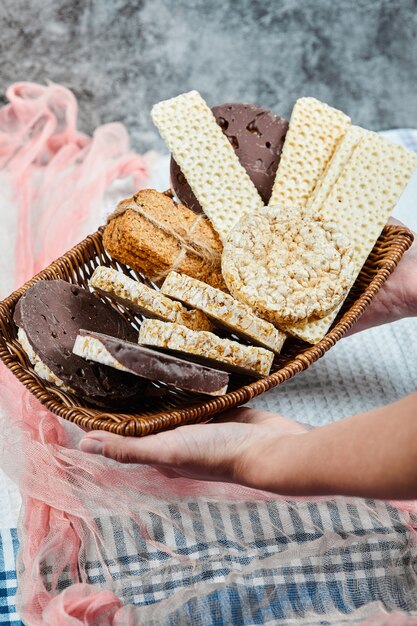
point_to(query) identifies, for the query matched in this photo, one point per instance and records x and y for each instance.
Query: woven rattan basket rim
(143, 424)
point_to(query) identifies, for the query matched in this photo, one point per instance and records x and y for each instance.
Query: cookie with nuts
(287, 264)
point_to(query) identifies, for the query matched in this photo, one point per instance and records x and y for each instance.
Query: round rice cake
(287, 264)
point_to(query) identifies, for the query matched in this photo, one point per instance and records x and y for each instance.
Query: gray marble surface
(121, 56)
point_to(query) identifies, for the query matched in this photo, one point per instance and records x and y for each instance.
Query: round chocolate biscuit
(257, 136)
(51, 313)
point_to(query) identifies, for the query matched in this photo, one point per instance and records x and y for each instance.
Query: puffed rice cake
(287, 264)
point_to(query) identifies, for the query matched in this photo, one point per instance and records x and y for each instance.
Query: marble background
(121, 56)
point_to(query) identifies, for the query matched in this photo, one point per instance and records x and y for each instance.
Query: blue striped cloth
(8, 581)
(340, 555)
(308, 559)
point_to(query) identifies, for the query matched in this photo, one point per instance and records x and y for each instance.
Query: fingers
(241, 414)
(247, 415)
(168, 473)
(367, 320)
(394, 222)
(153, 449)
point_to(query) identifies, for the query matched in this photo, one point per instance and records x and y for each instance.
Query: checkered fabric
(260, 562)
(247, 563)
(8, 579)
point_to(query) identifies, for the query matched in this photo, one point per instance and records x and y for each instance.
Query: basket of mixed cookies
(269, 247)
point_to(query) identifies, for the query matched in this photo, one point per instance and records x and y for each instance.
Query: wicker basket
(168, 407)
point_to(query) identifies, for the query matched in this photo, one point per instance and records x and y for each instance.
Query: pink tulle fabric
(59, 176)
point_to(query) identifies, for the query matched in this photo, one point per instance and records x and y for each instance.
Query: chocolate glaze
(51, 313)
(159, 366)
(257, 135)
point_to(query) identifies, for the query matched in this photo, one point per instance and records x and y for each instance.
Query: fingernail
(93, 446)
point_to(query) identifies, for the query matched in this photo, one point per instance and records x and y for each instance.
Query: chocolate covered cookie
(150, 364)
(49, 316)
(257, 136)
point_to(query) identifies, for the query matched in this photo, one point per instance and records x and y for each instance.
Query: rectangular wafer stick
(341, 156)
(206, 347)
(207, 160)
(223, 309)
(360, 202)
(313, 135)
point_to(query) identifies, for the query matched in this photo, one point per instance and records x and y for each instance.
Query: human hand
(397, 297)
(222, 451)
(370, 455)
